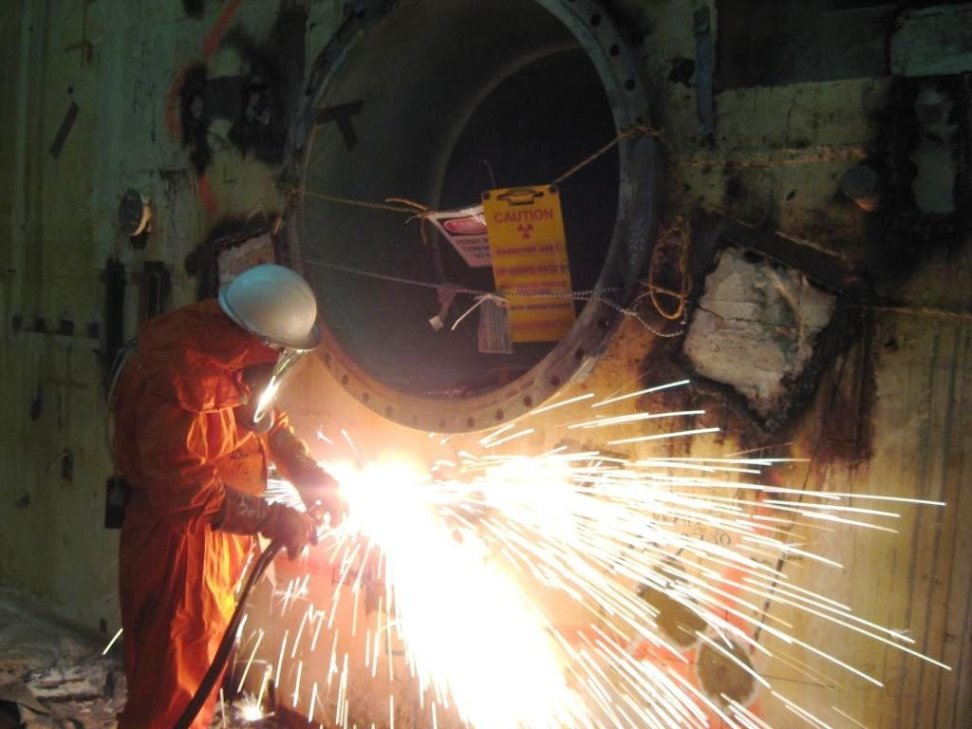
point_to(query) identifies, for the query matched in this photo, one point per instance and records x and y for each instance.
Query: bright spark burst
(443, 588)
(249, 710)
(654, 557)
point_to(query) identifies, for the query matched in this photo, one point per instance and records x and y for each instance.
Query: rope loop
(675, 239)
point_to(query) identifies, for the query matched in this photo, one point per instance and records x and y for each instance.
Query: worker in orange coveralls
(193, 438)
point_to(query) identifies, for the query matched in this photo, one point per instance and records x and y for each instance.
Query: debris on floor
(55, 676)
(52, 675)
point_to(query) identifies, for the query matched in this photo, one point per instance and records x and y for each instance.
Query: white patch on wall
(252, 252)
(755, 327)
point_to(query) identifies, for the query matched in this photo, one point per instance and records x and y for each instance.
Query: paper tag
(494, 329)
(465, 229)
(529, 254)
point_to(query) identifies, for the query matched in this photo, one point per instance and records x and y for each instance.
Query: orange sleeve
(277, 441)
(175, 449)
(281, 421)
(292, 457)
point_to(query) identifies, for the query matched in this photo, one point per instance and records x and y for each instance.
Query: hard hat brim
(310, 342)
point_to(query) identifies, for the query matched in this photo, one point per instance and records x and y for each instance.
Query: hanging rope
(631, 132)
(409, 208)
(673, 244)
(596, 295)
(422, 212)
(418, 210)
(676, 237)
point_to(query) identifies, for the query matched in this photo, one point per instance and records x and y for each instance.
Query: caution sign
(529, 254)
(465, 229)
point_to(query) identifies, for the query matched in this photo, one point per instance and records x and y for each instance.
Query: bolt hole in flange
(723, 677)
(438, 102)
(679, 624)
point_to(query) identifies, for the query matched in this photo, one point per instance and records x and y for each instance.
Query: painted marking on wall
(67, 123)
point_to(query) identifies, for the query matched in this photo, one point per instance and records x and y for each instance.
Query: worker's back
(177, 443)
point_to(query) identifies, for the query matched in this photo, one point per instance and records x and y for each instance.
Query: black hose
(229, 637)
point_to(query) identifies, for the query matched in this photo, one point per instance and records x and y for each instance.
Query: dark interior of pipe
(454, 101)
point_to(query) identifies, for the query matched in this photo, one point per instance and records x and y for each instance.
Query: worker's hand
(295, 529)
(318, 489)
(324, 497)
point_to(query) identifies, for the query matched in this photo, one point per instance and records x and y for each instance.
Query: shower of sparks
(476, 557)
(112, 642)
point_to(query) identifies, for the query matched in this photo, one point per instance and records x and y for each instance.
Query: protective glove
(291, 527)
(244, 513)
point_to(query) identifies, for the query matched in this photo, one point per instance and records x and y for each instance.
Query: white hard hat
(275, 304)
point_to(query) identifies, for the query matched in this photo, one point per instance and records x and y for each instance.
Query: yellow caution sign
(528, 249)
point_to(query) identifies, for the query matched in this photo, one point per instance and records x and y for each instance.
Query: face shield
(267, 395)
(264, 383)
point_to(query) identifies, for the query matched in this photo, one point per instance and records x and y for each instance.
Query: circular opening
(437, 103)
(680, 624)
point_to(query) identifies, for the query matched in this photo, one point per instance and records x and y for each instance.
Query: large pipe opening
(437, 102)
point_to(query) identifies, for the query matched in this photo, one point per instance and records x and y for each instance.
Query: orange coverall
(177, 443)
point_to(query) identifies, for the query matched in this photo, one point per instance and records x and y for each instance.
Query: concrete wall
(785, 147)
